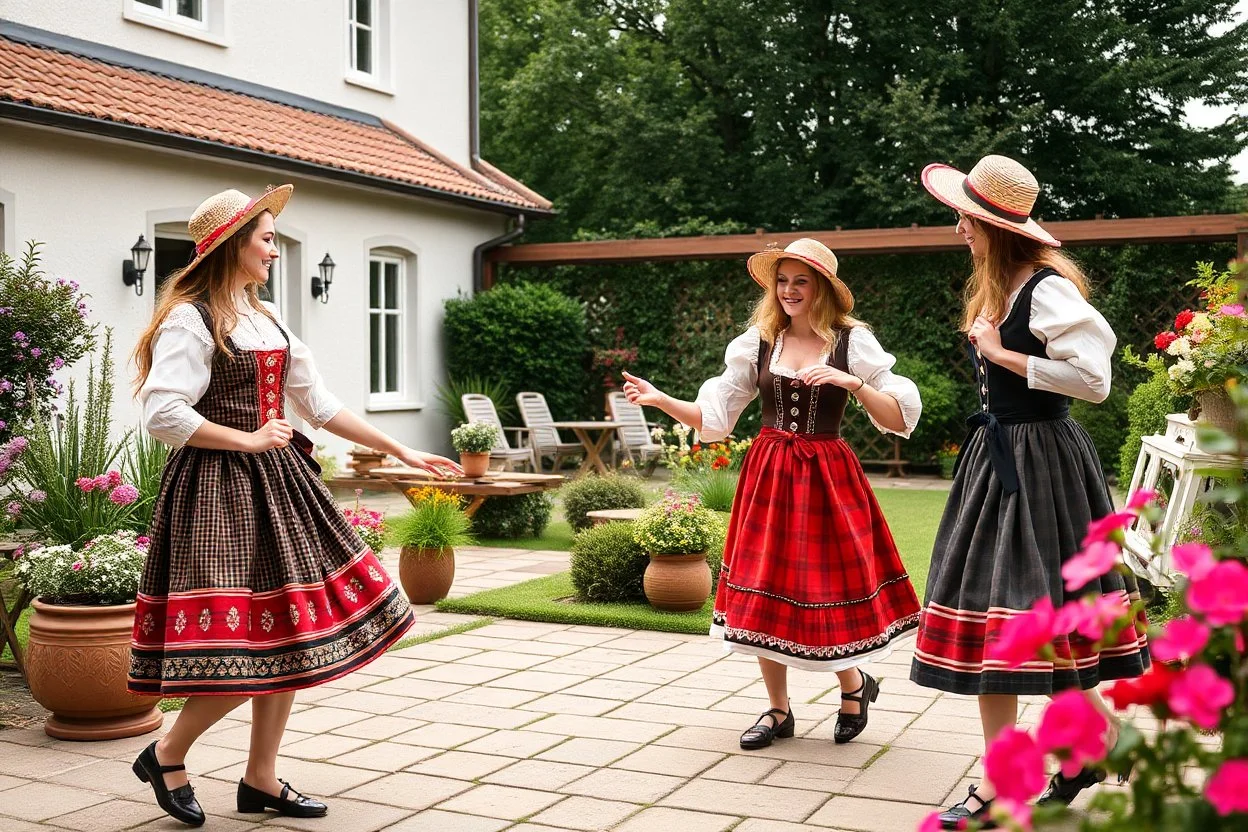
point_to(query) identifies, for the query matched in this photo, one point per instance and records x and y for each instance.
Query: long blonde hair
(826, 316)
(211, 283)
(1005, 254)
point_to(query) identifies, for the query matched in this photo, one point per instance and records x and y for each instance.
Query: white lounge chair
(543, 436)
(479, 408)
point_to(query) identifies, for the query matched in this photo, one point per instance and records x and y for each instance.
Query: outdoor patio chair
(633, 435)
(479, 408)
(543, 436)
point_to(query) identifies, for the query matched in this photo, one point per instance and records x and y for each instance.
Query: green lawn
(558, 536)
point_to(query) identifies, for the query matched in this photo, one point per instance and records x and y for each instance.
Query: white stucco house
(117, 117)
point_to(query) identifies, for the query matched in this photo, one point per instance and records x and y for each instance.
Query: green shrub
(522, 515)
(595, 493)
(945, 404)
(715, 487)
(1106, 423)
(530, 335)
(1147, 408)
(607, 564)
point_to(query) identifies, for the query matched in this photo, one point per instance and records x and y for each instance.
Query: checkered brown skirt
(811, 576)
(255, 582)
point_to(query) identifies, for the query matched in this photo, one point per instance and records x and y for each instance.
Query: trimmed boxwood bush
(607, 565)
(1147, 408)
(522, 515)
(1106, 423)
(946, 403)
(594, 493)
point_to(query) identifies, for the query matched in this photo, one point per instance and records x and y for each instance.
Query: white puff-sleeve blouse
(1077, 340)
(182, 368)
(724, 398)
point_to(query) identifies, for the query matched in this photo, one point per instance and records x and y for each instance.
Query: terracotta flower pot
(474, 465)
(677, 583)
(76, 663)
(426, 574)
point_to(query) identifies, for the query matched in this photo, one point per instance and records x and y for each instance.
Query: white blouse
(1077, 341)
(182, 368)
(724, 398)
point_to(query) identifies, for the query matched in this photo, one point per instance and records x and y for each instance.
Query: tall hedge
(529, 336)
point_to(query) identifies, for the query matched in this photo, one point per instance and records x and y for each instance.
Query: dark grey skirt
(996, 554)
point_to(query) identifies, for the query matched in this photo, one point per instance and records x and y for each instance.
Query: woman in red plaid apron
(255, 584)
(811, 576)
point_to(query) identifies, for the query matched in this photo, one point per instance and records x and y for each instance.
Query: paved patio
(536, 728)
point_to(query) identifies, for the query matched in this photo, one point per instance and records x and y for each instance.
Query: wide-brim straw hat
(998, 191)
(219, 216)
(762, 267)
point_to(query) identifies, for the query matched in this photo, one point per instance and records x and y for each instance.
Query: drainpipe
(482, 276)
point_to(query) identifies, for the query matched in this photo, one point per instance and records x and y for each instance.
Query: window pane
(364, 12)
(191, 8)
(374, 352)
(364, 51)
(156, 4)
(374, 284)
(392, 285)
(392, 353)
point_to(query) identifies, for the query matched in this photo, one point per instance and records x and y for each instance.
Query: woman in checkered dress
(811, 576)
(1028, 479)
(255, 584)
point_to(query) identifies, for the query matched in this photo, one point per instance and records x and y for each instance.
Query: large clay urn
(677, 583)
(426, 574)
(77, 661)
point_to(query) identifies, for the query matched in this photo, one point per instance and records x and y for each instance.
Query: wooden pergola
(1202, 228)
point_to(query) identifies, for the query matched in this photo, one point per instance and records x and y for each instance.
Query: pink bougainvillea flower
(1099, 530)
(1015, 765)
(1180, 640)
(1022, 636)
(1074, 730)
(1221, 596)
(124, 495)
(1093, 562)
(1200, 694)
(1193, 559)
(1227, 790)
(1141, 498)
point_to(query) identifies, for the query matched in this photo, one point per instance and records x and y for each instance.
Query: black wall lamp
(132, 270)
(320, 285)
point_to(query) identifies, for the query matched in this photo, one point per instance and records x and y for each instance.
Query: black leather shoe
(760, 735)
(289, 803)
(849, 726)
(179, 803)
(959, 815)
(1063, 790)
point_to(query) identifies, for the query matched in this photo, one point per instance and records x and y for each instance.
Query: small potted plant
(947, 456)
(78, 655)
(427, 536)
(473, 441)
(677, 532)
(369, 524)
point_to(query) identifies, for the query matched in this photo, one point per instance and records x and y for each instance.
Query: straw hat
(762, 266)
(998, 190)
(219, 216)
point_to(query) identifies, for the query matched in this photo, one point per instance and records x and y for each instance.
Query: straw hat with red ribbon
(219, 216)
(998, 191)
(762, 267)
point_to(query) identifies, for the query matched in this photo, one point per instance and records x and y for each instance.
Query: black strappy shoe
(760, 736)
(289, 803)
(849, 726)
(1062, 789)
(180, 803)
(959, 815)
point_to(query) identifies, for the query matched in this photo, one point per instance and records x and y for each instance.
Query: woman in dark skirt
(255, 584)
(1028, 480)
(811, 576)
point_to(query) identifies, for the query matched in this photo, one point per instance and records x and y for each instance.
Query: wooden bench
(613, 515)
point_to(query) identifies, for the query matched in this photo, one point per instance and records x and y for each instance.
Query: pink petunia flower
(1090, 617)
(1221, 596)
(1227, 789)
(1015, 765)
(1200, 694)
(77, 566)
(1074, 730)
(124, 495)
(1180, 640)
(1194, 560)
(1093, 562)
(143, 541)
(1233, 310)
(1141, 498)
(1103, 528)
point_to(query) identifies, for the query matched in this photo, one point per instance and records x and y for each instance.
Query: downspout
(480, 280)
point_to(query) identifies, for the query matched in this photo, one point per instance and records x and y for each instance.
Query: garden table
(493, 484)
(593, 446)
(10, 613)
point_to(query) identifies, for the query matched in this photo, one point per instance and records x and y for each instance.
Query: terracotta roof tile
(68, 83)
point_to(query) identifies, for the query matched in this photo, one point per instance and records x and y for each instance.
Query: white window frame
(378, 76)
(210, 29)
(169, 10)
(400, 312)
